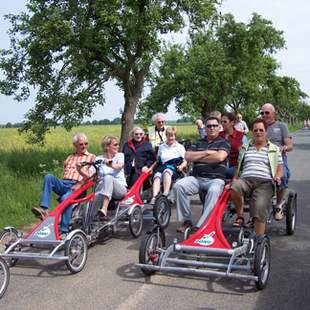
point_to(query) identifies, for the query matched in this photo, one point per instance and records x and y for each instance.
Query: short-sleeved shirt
(166, 152)
(277, 132)
(241, 126)
(235, 140)
(117, 174)
(211, 170)
(256, 163)
(70, 170)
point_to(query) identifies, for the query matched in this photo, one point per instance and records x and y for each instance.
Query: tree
(226, 65)
(68, 49)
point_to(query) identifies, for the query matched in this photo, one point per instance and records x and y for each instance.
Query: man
(240, 124)
(157, 133)
(278, 134)
(209, 156)
(259, 167)
(73, 175)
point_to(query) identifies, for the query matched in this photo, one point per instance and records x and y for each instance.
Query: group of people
(221, 153)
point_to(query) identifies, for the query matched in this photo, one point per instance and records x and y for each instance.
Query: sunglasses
(115, 144)
(212, 125)
(139, 134)
(264, 112)
(224, 122)
(258, 130)
(82, 144)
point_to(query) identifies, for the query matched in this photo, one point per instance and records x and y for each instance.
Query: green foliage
(227, 66)
(67, 50)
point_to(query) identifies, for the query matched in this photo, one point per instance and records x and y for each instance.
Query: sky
(286, 15)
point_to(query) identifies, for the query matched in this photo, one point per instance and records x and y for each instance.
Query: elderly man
(240, 124)
(73, 174)
(278, 134)
(209, 157)
(157, 133)
(259, 167)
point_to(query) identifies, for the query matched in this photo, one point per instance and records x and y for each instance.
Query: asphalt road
(111, 281)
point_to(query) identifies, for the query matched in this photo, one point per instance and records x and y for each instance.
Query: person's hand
(145, 169)
(283, 148)
(277, 180)
(108, 162)
(228, 186)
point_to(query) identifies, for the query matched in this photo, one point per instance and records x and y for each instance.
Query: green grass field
(23, 166)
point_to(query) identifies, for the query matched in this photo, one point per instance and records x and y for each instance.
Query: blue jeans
(63, 189)
(286, 173)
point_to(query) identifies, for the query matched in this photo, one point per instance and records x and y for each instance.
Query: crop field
(23, 166)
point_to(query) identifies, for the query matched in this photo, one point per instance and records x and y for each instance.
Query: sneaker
(278, 213)
(185, 225)
(153, 200)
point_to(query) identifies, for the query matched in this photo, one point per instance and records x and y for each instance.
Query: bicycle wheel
(4, 277)
(76, 250)
(291, 213)
(136, 221)
(162, 211)
(7, 237)
(149, 252)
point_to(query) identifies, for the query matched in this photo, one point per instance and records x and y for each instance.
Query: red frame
(210, 234)
(131, 198)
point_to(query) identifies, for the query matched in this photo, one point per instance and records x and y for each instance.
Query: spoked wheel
(291, 212)
(76, 250)
(136, 221)
(162, 211)
(7, 237)
(262, 262)
(149, 249)
(4, 276)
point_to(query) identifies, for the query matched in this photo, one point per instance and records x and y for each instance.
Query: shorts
(260, 191)
(160, 174)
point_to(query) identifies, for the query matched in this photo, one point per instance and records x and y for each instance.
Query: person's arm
(246, 129)
(288, 145)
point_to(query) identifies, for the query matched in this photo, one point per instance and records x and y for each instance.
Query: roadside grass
(23, 166)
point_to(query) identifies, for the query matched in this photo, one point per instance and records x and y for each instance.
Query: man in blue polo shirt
(209, 156)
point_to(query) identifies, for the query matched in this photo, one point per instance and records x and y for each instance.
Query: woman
(170, 163)
(112, 182)
(235, 139)
(139, 155)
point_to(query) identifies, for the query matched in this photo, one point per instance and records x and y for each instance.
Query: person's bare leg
(156, 186)
(260, 227)
(167, 182)
(280, 195)
(105, 204)
(237, 200)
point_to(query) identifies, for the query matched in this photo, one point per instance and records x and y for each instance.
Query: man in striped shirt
(259, 168)
(73, 175)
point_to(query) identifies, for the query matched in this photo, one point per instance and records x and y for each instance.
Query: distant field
(23, 165)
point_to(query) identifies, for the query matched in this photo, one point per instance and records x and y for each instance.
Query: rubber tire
(11, 262)
(6, 277)
(136, 219)
(162, 211)
(291, 213)
(262, 262)
(145, 245)
(68, 247)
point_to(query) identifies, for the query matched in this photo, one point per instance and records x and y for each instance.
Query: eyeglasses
(82, 144)
(212, 125)
(160, 122)
(258, 130)
(138, 133)
(264, 112)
